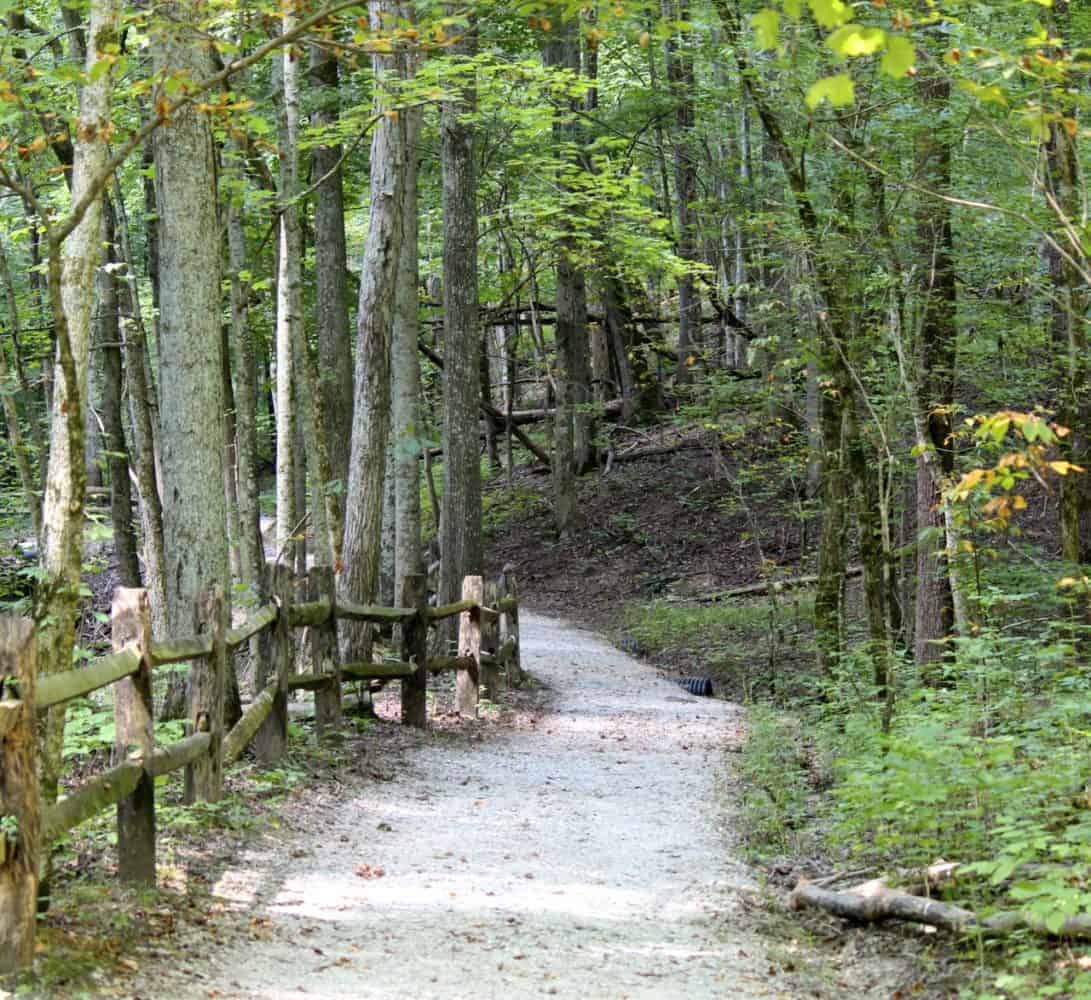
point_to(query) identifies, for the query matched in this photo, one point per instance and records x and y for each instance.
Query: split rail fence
(488, 652)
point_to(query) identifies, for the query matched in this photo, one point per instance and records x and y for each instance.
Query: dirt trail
(582, 855)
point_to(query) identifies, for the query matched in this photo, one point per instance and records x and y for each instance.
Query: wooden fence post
(509, 625)
(325, 658)
(415, 649)
(490, 633)
(469, 645)
(20, 810)
(130, 626)
(271, 739)
(205, 776)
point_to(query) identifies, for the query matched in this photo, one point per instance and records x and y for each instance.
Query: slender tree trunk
(289, 309)
(358, 579)
(680, 80)
(834, 323)
(72, 264)
(108, 331)
(570, 307)
(246, 444)
(388, 535)
(27, 478)
(1068, 315)
(460, 517)
(934, 614)
(233, 526)
(572, 368)
(135, 355)
(406, 410)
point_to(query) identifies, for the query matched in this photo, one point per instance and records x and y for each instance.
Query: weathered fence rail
(488, 642)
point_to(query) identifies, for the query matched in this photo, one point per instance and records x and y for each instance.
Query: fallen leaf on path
(370, 871)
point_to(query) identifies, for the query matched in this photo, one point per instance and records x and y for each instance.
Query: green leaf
(829, 13)
(838, 90)
(101, 68)
(766, 25)
(792, 8)
(986, 94)
(898, 57)
(856, 40)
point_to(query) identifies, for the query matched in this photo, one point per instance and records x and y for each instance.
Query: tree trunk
(406, 412)
(460, 517)
(371, 399)
(117, 454)
(252, 553)
(19, 451)
(134, 347)
(233, 526)
(681, 84)
(289, 309)
(190, 339)
(330, 269)
(72, 263)
(934, 609)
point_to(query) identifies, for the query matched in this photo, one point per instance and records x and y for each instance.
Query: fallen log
(613, 458)
(611, 408)
(764, 587)
(876, 904)
(882, 904)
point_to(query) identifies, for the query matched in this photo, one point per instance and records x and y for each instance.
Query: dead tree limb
(493, 413)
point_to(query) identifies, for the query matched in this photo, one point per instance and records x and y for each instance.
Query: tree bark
(680, 81)
(330, 269)
(406, 412)
(72, 263)
(371, 395)
(460, 516)
(19, 450)
(190, 338)
(289, 308)
(934, 607)
(108, 332)
(252, 553)
(135, 356)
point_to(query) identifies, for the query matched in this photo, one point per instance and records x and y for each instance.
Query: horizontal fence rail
(488, 644)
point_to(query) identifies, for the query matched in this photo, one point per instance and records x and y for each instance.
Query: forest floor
(578, 842)
(578, 850)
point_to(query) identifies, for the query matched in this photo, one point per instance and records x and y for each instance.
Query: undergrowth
(985, 762)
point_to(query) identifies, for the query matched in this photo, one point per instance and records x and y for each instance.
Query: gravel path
(582, 855)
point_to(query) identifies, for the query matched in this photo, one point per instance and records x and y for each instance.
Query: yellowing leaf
(766, 25)
(830, 13)
(898, 57)
(1064, 468)
(855, 40)
(969, 481)
(838, 90)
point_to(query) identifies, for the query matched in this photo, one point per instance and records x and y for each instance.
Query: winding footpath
(583, 855)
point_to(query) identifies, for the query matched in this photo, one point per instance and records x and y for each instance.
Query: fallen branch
(873, 902)
(765, 585)
(498, 418)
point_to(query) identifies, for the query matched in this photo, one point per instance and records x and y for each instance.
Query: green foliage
(773, 765)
